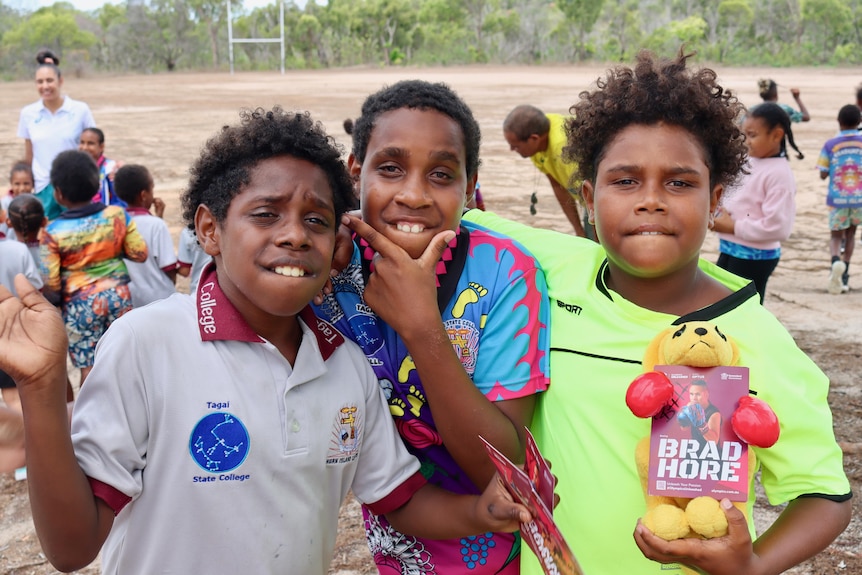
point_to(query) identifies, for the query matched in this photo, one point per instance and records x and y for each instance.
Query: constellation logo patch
(219, 443)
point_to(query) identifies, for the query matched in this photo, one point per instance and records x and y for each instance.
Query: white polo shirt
(15, 258)
(190, 253)
(149, 280)
(216, 455)
(52, 133)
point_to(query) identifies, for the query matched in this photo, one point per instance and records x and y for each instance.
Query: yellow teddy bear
(695, 344)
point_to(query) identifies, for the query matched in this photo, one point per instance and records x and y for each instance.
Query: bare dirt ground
(162, 120)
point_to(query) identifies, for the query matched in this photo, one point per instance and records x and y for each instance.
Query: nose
(413, 193)
(701, 331)
(292, 233)
(652, 197)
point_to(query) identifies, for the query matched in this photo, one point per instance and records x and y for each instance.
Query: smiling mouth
(290, 271)
(650, 234)
(410, 228)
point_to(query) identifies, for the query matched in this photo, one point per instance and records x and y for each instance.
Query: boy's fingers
(378, 242)
(29, 295)
(736, 522)
(435, 248)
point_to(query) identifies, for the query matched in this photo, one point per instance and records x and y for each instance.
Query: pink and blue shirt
(493, 301)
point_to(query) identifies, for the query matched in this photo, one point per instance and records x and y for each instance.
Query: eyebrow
(629, 168)
(398, 152)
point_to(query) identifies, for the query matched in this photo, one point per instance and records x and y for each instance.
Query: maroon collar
(219, 320)
(137, 211)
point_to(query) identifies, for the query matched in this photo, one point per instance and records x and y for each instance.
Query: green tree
(53, 28)
(213, 15)
(827, 23)
(583, 14)
(734, 16)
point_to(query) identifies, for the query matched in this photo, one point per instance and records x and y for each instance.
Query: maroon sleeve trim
(399, 496)
(116, 500)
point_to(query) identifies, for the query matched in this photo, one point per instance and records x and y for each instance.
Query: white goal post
(231, 40)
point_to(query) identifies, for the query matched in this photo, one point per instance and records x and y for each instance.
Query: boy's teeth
(414, 229)
(290, 271)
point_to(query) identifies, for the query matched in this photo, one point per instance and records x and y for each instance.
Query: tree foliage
(152, 35)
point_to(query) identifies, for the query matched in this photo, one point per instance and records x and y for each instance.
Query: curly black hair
(420, 95)
(130, 181)
(655, 91)
(225, 164)
(75, 175)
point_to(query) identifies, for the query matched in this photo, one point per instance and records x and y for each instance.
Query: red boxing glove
(755, 423)
(648, 393)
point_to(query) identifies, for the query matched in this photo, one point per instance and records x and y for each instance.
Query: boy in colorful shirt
(459, 343)
(841, 161)
(82, 256)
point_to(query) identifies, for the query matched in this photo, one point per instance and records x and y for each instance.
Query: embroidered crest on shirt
(346, 435)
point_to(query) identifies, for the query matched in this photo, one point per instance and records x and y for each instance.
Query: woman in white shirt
(51, 125)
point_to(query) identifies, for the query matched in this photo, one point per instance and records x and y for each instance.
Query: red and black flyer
(533, 487)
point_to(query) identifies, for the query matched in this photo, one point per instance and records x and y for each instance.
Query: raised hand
(32, 335)
(402, 291)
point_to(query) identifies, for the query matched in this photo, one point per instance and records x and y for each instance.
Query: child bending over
(220, 431)
(656, 146)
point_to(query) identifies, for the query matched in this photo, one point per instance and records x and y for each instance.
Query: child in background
(82, 256)
(840, 160)
(191, 258)
(93, 142)
(15, 259)
(459, 344)
(20, 182)
(757, 216)
(153, 279)
(657, 144)
(26, 218)
(768, 91)
(252, 402)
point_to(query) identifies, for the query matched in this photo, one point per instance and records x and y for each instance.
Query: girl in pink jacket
(758, 216)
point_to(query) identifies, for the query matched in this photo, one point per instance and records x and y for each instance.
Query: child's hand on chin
(728, 555)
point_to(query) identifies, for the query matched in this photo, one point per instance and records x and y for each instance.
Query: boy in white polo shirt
(154, 278)
(235, 447)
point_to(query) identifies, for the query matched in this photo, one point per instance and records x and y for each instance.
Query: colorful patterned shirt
(83, 250)
(841, 157)
(493, 302)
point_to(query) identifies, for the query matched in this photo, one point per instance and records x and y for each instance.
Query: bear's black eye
(679, 332)
(721, 335)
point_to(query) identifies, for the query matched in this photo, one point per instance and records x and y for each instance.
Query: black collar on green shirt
(707, 313)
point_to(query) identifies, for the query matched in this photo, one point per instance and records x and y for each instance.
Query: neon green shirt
(582, 423)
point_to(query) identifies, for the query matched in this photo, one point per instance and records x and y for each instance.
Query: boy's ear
(207, 230)
(587, 193)
(715, 198)
(471, 187)
(353, 166)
